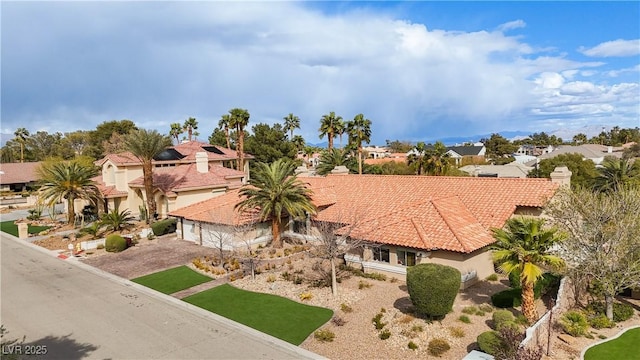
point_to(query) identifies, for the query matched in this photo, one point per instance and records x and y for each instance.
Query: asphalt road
(78, 312)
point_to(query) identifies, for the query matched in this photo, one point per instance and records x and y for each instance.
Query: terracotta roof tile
(183, 177)
(18, 173)
(218, 210)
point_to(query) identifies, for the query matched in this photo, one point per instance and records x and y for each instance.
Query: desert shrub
(470, 310)
(511, 325)
(163, 227)
(346, 308)
(492, 277)
(438, 346)
(100, 246)
(384, 334)
(338, 321)
(377, 321)
(486, 308)
(457, 332)
(574, 323)
(117, 220)
(417, 328)
(406, 319)
(601, 321)
(306, 296)
(433, 288)
(115, 243)
(324, 335)
(411, 345)
(271, 278)
(376, 276)
(507, 298)
(501, 316)
(479, 313)
(490, 342)
(363, 285)
(465, 319)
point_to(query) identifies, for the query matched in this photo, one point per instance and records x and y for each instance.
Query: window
(406, 258)
(381, 254)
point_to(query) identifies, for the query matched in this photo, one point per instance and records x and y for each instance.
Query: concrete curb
(584, 351)
(265, 338)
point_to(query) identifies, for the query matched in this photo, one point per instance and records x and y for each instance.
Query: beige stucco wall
(186, 198)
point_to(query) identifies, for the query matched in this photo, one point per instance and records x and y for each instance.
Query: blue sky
(417, 70)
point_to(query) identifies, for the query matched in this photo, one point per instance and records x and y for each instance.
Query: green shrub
(411, 345)
(507, 298)
(384, 334)
(346, 308)
(490, 342)
(163, 227)
(470, 310)
(324, 335)
(465, 319)
(115, 243)
(621, 312)
(522, 320)
(100, 246)
(486, 308)
(547, 282)
(438, 346)
(601, 321)
(574, 323)
(377, 321)
(499, 317)
(492, 277)
(433, 288)
(479, 313)
(457, 332)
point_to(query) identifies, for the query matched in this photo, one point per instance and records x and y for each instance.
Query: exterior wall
(186, 198)
(226, 236)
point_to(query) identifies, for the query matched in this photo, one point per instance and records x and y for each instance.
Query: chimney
(202, 162)
(561, 175)
(340, 170)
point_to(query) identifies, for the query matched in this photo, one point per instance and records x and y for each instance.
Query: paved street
(78, 312)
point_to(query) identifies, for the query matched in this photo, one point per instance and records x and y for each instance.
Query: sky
(418, 70)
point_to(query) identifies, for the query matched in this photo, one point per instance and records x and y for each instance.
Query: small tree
(433, 288)
(117, 220)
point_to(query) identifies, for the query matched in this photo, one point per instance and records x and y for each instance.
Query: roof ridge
(420, 231)
(446, 221)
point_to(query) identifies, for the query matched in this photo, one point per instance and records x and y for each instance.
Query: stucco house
(406, 220)
(183, 174)
(16, 177)
(510, 170)
(593, 152)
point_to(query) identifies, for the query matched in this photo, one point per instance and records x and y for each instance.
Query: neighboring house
(397, 157)
(376, 152)
(473, 153)
(534, 150)
(182, 175)
(407, 220)
(17, 177)
(510, 170)
(593, 152)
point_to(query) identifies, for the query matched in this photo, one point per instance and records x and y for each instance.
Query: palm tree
(524, 247)
(340, 128)
(417, 157)
(437, 160)
(239, 119)
(298, 142)
(223, 124)
(359, 131)
(145, 145)
(69, 180)
(328, 124)
(117, 220)
(176, 130)
(616, 173)
(329, 159)
(579, 139)
(291, 122)
(189, 126)
(21, 137)
(275, 192)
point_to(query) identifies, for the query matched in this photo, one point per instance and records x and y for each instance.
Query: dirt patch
(148, 256)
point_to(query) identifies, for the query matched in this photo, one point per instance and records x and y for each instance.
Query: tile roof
(108, 191)
(466, 150)
(18, 173)
(422, 212)
(589, 151)
(185, 177)
(217, 210)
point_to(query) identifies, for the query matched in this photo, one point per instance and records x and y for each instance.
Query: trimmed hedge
(490, 342)
(433, 288)
(163, 227)
(500, 317)
(115, 243)
(507, 298)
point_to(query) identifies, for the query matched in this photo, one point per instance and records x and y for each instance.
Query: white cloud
(613, 48)
(516, 24)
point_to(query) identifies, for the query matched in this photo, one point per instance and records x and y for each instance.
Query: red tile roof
(185, 177)
(18, 173)
(218, 210)
(422, 212)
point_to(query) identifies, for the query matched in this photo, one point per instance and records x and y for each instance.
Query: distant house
(473, 153)
(182, 175)
(593, 152)
(510, 170)
(407, 220)
(17, 177)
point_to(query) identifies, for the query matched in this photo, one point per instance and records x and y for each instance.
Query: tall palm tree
(418, 157)
(359, 131)
(298, 142)
(69, 180)
(523, 246)
(189, 126)
(239, 119)
(21, 135)
(274, 191)
(437, 160)
(616, 173)
(145, 145)
(329, 159)
(328, 124)
(223, 124)
(291, 122)
(176, 130)
(341, 128)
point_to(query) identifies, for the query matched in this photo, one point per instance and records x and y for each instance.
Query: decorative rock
(567, 339)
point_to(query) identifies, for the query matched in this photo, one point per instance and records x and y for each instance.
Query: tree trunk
(71, 212)
(360, 160)
(240, 148)
(334, 280)
(528, 302)
(148, 190)
(608, 300)
(226, 134)
(330, 136)
(275, 230)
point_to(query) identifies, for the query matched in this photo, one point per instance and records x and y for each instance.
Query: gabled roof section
(186, 177)
(18, 173)
(218, 210)
(189, 150)
(466, 150)
(108, 191)
(123, 158)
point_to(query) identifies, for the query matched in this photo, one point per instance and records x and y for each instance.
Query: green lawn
(10, 228)
(274, 315)
(624, 347)
(172, 280)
